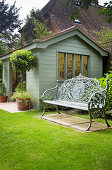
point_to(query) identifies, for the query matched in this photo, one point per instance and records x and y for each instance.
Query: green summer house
(61, 56)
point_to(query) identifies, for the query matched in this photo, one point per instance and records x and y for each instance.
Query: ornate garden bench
(80, 93)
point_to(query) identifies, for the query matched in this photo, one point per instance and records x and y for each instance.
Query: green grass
(29, 143)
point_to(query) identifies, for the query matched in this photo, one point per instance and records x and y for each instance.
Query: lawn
(29, 143)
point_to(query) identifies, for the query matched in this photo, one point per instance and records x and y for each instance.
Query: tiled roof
(90, 19)
(48, 6)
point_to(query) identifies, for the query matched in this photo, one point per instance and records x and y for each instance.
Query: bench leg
(57, 109)
(89, 123)
(106, 119)
(43, 109)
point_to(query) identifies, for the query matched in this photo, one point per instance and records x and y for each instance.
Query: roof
(90, 19)
(45, 42)
(48, 6)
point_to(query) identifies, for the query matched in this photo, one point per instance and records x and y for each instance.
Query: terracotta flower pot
(3, 99)
(23, 104)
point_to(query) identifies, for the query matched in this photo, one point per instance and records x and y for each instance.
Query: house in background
(56, 16)
(61, 56)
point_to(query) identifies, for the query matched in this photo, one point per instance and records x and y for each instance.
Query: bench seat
(75, 105)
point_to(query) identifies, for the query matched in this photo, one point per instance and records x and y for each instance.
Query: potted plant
(23, 99)
(22, 61)
(3, 97)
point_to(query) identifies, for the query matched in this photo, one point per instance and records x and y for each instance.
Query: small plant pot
(3, 99)
(23, 104)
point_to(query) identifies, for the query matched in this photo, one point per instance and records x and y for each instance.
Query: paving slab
(10, 107)
(77, 123)
(96, 126)
(65, 119)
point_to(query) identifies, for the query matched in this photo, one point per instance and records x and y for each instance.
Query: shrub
(22, 95)
(2, 89)
(18, 88)
(103, 83)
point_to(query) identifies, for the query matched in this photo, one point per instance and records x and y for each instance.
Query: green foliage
(9, 17)
(1, 67)
(18, 88)
(103, 83)
(3, 45)
(22, 95)
(40, 30)
(27, 32)
(2, 90)
(105, 36)
(9, 21)
(75, 4)
(9, 42)
(22, 60)
(107, 11)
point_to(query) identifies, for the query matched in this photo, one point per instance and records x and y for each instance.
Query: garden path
(9, 106)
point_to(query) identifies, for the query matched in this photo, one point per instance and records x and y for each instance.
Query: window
(61, 66)
(77, 64)
(85, 64)
(70, 65)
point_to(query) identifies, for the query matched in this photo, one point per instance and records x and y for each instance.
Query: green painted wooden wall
(32, 82)
(7, 77)
(48, 60)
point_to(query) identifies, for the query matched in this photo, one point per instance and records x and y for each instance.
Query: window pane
(77, 65)
(69, 66)
(85, 65)
(60, 66)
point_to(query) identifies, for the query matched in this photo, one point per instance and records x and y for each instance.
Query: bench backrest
(78, 89)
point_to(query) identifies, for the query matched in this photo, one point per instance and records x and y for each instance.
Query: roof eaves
(7, 53)
(76, 27)
(54, 36)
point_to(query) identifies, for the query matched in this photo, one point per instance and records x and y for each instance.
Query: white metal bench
(80, 93)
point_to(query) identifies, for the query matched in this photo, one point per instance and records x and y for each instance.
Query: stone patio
(10, 107)
(76, 123)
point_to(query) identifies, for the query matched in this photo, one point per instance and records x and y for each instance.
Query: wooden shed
(60, 56)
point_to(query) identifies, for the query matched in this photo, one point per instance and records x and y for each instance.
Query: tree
(40, 30)
(75, 4)
(105, 36)
(9, 21)
(22, 61)
(107, 11)
(9, 17)
(27, 32)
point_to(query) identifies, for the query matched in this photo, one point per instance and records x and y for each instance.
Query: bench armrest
(97, 101)
(50, 94)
